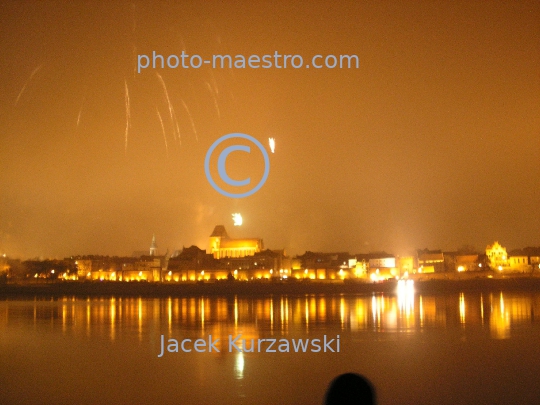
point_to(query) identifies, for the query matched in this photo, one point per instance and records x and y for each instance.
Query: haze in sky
(433, 141)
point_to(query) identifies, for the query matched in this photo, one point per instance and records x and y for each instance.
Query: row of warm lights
(462, 268)
(375, 276)
(64, 276)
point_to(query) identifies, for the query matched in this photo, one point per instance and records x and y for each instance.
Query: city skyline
(255, 243)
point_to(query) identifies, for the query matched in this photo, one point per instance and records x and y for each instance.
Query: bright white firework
(272, 143)
(237, 218)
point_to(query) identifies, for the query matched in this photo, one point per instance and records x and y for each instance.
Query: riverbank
(143, 289)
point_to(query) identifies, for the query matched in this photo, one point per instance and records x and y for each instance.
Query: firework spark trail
(128, 116)
(80, 111)
(190, 119)
(177, 127)
(171, 108)
(214, 97)
(26, 83)
(134, 58)
(163, 131)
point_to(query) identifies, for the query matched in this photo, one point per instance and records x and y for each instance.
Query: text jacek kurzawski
(237, 344)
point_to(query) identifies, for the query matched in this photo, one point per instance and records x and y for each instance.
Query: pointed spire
(153, 246)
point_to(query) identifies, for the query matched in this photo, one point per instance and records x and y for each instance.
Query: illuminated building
(105, 268)
(146, 268)
(323, 266)
(221, 246)
(535, 263)
(361, 269)
(430, 261)
(266, 264)
(382, 267)
(100, 267)
(84, 268)
(497, 256)
(406, 265)
(194, 264)
(518, 261)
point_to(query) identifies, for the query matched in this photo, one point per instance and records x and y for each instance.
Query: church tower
(215, 240)
(153, 246)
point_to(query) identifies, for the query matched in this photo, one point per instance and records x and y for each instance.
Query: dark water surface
(463, 348)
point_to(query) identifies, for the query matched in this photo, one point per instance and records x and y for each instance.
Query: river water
(462, 348)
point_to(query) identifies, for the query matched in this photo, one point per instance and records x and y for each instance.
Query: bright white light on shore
(237, 218)
(272, 143)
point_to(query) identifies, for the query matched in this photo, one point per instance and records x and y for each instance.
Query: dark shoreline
(133, 289)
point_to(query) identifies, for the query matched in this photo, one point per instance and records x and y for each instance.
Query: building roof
(219, 232)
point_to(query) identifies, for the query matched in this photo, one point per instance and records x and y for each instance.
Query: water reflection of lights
(500, 312)
(342, 312)
(405, 293)
(482, 308)
(202, 313)
(235, 310)
(500, 319)
(421, 305)
(307, 313)
(113, 317)
(462, 308)
(140, 316)
(169, 313)
(239, 366)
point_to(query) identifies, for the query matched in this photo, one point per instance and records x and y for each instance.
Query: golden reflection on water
(462, 309)
(404, 312)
